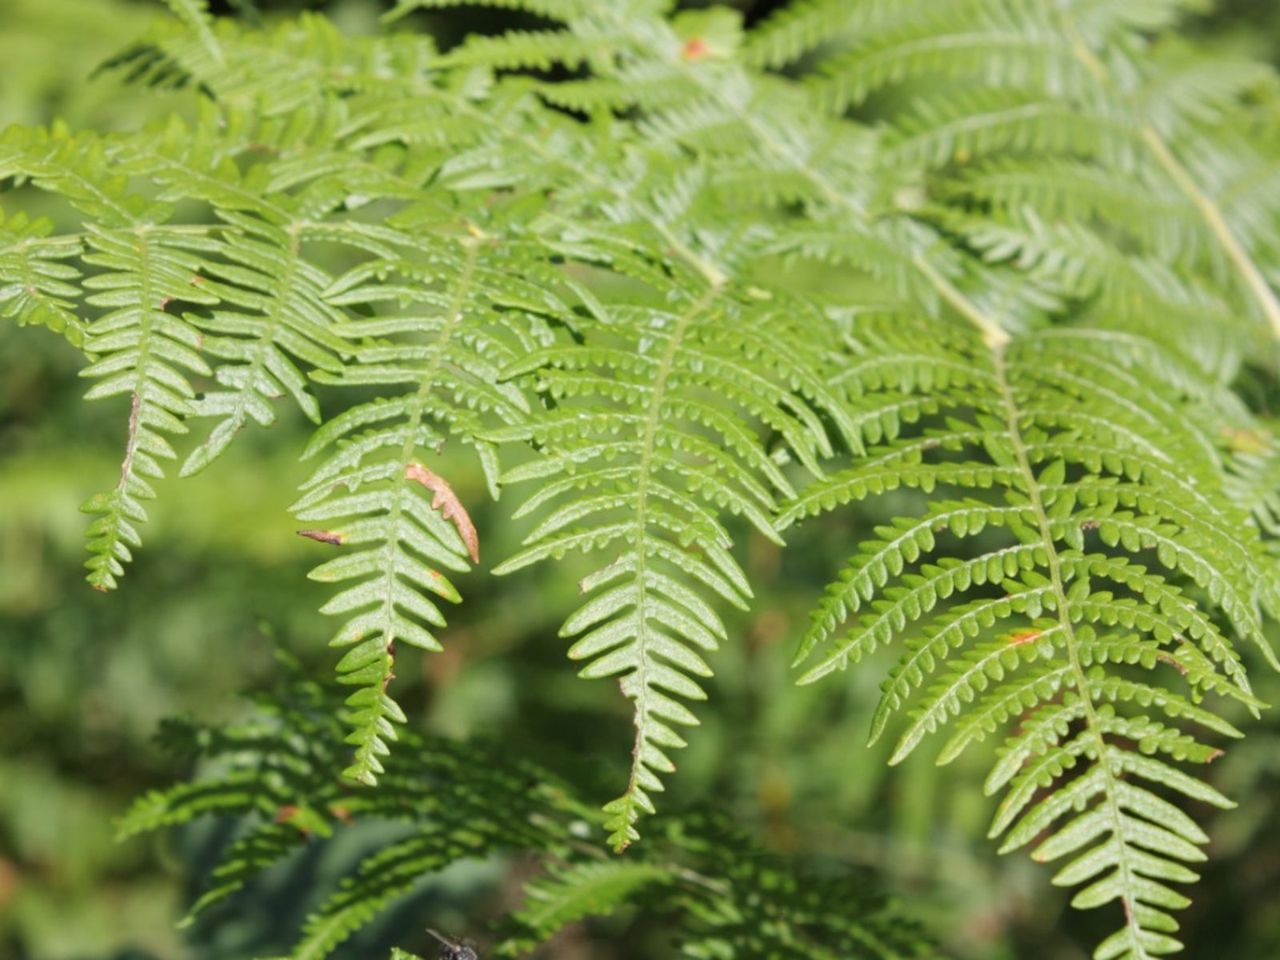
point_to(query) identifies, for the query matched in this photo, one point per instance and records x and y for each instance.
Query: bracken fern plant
(1048, 239)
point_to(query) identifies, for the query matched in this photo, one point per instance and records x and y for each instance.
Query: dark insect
(453, 951)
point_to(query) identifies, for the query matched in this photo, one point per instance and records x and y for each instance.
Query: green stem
(1079, 679)
(1209, 211)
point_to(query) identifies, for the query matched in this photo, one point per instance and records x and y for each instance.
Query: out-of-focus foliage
(1251, 26)
(49, 50)
(451, 801)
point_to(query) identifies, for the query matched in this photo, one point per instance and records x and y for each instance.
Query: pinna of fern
(459, 313)
(39, 286)
(651, 445)
(1106, 570)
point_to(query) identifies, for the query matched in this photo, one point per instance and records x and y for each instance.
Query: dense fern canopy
(456, 800)
(1051, 239)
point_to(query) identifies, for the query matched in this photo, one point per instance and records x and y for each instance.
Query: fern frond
(276, 779)
(1253, 481)
(1067, 188)
(194, 14)
(272, 324)
(1140, 294)
(568, 893)
(637, 437)
(382, 506)
(759, 909)
(281, 316)
(1047, 622)
(1188, 90)
(561, 10)
(961, 127)
(389, 874)
(524, 50)
(145, 353)
(394, 518)
(1021, 50)
(75, 167)
(793, 31)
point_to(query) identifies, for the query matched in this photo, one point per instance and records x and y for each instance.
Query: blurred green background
(84, 678)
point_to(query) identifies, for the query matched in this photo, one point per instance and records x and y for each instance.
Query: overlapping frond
(393, 519)
(270, 326)
(142, 272)
(561, 10)
(276, 779)
(283, 183)
(236, 300)
(969, 85)
(654, 440)
(146, 353)
(568, 893)
(737, 901)
(1115, 289)
(1253, 479)
(767, 140)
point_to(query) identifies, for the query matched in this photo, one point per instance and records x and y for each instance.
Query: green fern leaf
(1025, 628)
(638, 442)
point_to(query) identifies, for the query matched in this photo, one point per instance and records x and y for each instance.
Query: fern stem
(1080, 680)
(145, 341)
(653, 417)
(993, 335)
(1210, 212)
(425, 386)
(1217, 222)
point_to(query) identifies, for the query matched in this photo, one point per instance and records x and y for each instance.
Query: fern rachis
(1038, 648)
